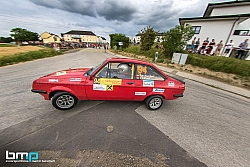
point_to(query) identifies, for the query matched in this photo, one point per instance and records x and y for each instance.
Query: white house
(222, 21)
(158, 38)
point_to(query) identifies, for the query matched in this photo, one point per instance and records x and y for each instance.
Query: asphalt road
(207, 125)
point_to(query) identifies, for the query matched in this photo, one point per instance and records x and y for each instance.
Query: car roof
(128, 60)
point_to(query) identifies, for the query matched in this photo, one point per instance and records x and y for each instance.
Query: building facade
(158, 38)
(50, 38)
(80, 36)
(222, 21)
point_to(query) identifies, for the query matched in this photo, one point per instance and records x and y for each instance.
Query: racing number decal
(96, 80)
(109, 87)
(141, 69)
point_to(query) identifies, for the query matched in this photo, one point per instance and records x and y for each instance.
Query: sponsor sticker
(99, 87)
(170, 83)
(158, 90)
(148, 83)
(140, 93)
(60, 73)
(109, 87)
(97, 81)
(53, 80)
(75, 79)
(106, 81)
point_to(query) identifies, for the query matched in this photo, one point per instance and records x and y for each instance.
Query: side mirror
(90, 77)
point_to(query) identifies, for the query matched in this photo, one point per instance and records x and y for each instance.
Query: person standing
(196, 46)
(115, 47)
(193, 44)
(204, 45)
(218, 48)
(228, 47)
(242, 50)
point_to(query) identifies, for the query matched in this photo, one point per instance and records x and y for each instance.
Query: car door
(147, 82)
(110, 84)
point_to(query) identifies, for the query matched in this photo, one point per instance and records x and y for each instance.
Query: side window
(103, 72)
(116, 70)
(147, 72)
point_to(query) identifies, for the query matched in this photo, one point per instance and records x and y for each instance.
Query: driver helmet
(122, 68)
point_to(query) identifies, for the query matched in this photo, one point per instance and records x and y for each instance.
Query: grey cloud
(161, 17)
(116, 10)
(85, 7)
(109, 9)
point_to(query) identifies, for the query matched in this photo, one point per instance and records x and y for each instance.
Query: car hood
(68, 72)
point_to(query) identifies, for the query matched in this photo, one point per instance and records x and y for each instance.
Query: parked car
(114, 79)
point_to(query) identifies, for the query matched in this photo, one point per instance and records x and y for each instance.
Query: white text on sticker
(75, 79)
(158, 90)
(148, 83)
(99, 87)
(140, 93)
(53, 80)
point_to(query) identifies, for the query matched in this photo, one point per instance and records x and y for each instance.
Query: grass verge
(28, 56)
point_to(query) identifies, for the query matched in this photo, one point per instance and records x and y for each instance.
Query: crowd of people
(74, 45)
(211, 48)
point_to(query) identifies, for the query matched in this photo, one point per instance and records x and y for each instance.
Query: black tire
(154, 102)
(64, 101)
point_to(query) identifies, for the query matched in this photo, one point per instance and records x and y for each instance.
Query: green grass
(220, 64)
(28, 56)
(214, 63)
(7, 45)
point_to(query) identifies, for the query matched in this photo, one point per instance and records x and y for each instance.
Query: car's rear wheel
(154, 102)
(64, 101)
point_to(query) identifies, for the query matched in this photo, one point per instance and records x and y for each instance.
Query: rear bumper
(38, 91)
(178, 95)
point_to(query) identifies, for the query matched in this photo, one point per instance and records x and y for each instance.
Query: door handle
(130, 83)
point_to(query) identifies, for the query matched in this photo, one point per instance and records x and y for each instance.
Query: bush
(215, 63)
(220, 64)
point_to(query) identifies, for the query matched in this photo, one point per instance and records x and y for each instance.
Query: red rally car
(114, 79)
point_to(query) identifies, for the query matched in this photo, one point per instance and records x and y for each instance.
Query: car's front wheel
(154, 102)
(64, 101)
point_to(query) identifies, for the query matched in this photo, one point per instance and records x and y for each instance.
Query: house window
(197, 29)
(241, 32)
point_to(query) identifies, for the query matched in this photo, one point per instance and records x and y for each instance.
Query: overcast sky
(103, 17)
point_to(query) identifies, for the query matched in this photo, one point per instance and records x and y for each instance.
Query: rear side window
(147, 72)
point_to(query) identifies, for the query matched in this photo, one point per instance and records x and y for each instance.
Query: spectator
(196, 46)
(157, 46)
(212, 43)
(107, 46)
(204, 45)
(242, 50)
(228, 47)
(115, 47)
(218, 48)
(161, 46)
(208, 51)
(193, 44)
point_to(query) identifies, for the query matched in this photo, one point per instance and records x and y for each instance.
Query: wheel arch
(55, 90)
(155, 95)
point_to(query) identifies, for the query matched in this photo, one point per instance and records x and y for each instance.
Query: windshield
(92, 70)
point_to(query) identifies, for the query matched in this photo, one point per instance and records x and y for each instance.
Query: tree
(175, 40)
(147, 38)
(116, 38)
(20, 35)
(6, 39)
